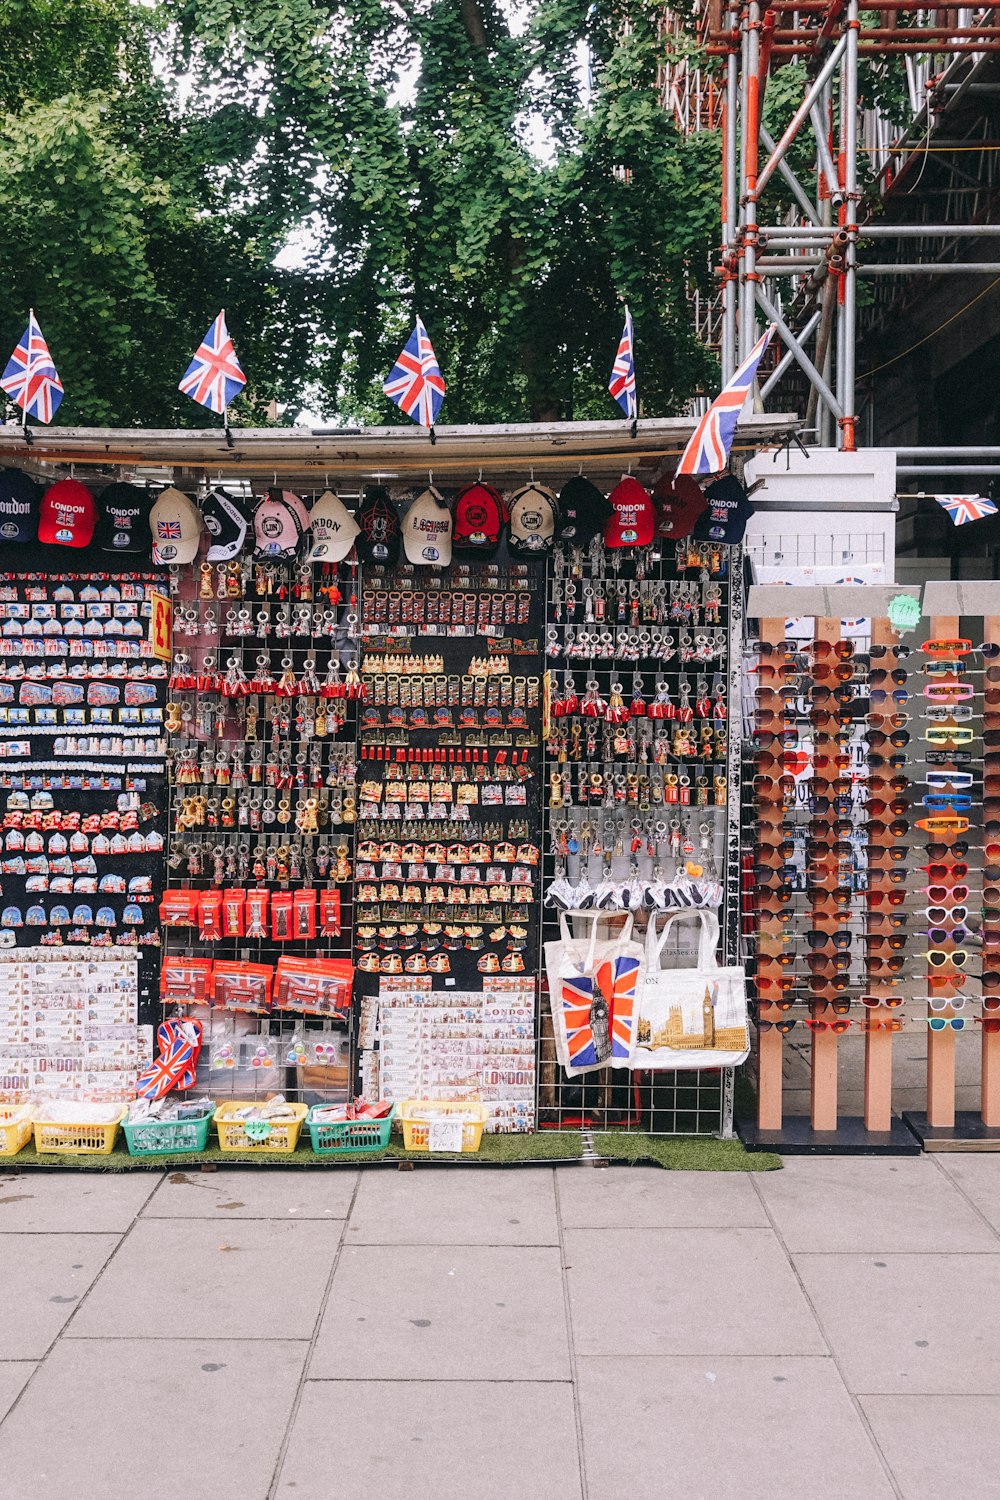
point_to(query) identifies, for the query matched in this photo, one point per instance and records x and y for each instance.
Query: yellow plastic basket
(419, 1116)
(15, 1128)
(77, 1140)
(282, 1138)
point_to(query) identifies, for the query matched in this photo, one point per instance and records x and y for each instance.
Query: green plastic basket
(349, 1137)
(167, 1137)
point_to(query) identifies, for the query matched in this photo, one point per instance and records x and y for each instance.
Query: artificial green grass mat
(683, 1153)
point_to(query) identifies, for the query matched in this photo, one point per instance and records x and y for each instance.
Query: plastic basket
(350, 1137)
(166, 1137)
(15, 1128)
(77, 1140)
(419, 1115)
(282, 1138)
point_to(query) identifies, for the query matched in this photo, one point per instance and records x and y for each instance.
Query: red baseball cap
(679, 502)
(479, 515)
(68, 515)
(631, 525)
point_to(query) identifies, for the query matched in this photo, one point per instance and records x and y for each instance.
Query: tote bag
(592, 993)
(690, 1018)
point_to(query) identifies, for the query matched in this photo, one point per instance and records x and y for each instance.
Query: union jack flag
(708, 447)
(622, 382)
(169, 531)
(415, 382)
(176, 1066)
(616, 979)
(214, 378)
(599, 1013)
(30, 378)
(963, 508)
(576, 994)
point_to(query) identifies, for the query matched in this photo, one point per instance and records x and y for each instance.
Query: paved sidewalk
(831, 1330)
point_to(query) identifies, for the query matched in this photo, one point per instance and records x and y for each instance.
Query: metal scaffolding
(801, 223)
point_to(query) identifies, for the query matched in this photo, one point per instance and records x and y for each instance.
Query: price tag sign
(444, 1135)
(161, 626)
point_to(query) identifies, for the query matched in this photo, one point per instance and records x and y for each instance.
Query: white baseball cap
(175, 522)
(333, 529)
(427, 531)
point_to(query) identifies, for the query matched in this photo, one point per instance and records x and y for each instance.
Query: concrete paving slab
(939, 1445)
(44, 1278)
(880, 1204)
(445, 1312)
(54, 1202)
(253, 1195)
(465, 1206)
(440, 1441)
(649, 1198)
(188, 1278)
(925, 1324)
(14, 1376)
(94, 1422)
(978, 1176)
(685, 1291)
(724, 1429)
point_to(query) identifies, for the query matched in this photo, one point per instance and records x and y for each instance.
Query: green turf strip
(683, 1153)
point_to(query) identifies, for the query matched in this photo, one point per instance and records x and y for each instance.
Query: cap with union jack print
(175, 522)
(214, 378)
(68, 515)
(415, 382)
(31, 379)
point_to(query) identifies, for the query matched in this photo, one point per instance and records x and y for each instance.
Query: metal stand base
(798, 1138)
(967, 1134)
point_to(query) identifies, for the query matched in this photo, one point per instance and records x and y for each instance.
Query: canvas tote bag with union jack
(690, 1018)
(593, 982)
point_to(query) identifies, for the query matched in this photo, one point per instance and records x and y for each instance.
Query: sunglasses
(938, 958)
(838, 1027)
(890, 762)
(948, 692)
(784, 1027)
(842, 650)
(892, 1001)
(939, 935)
(839, 1007)
(948, 735)
(841, 672)
(779, 986)
(768, 672)
(957, 1002)
(945, 667)
(831, 762)
(835, 963)
(939, 800)
(947, 647)
(956, 779)
(940, 982)
(898, 739)
(895, 675)
(991, 980)
(877, 897)
(889, 783)
(893, 1023)
(947, 851)
(892, 919)
(988, 1023)
(942, 871)
(943, 823)
(940, 916)
(942, 1023)
(817, 939)
(885, 965)
(836, 982)
(886, 940)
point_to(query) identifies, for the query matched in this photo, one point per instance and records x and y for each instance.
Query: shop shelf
(83, 1139)
(281, 1139)
(167, 1137)
(15, 1128)
(419, 1115)
(350, 1137)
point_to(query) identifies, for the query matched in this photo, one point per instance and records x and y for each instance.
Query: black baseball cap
(227, 523)
(123, 519)
(20, 498)
(583, 510)
(380, 531)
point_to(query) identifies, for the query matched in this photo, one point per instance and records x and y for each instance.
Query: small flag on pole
(622, 382)
(30, 378)
(964, 508)
(214, 378)
(415, 383)
(708, 447)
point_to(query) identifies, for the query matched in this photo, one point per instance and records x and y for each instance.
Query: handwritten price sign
(161, 626)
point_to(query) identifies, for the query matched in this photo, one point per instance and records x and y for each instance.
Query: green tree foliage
(326, 169)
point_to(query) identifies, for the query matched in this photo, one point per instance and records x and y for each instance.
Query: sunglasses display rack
(641, 783)
(258, 909)
(447, 837)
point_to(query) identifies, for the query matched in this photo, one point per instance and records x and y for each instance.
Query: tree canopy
(324, 171)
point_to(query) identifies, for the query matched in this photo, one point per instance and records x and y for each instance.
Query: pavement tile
(978, 1175)
(54, 1202)
(201, 1418)
(685, 1291)
(725, 1429)
(200, 1279)
(294, 1194)
(852, 1203)
(939, 1445)
(464, 1206)
(44, 1277)
(14, 1376)
(445, 1312)
(441, 1441)
(925, 1324)
(649, 1198)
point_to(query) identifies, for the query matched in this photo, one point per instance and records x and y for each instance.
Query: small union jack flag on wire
(622, 382)
(214, 378)
(415, 382)
(964, 508)
(708, 447)
(30, 378)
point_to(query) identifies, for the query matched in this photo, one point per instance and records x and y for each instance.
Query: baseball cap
(479, 513)
(18, 506)
(277, 526)
(679, 502)
(728, 511)
(631, 524)
(583, 511)
(123, 525)
(333, 529)
(533, 511)
(378, 522)
(175, 522)
(227, 524)
(295, 504)
(68, 514)
(427, 531)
